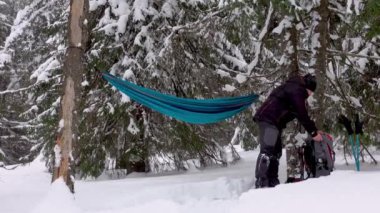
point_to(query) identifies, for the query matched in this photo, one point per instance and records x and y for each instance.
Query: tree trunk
(73, 69)
(321, 59)
(293, 161)
(294, 68)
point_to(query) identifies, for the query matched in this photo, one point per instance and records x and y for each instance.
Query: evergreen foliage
(193, 49)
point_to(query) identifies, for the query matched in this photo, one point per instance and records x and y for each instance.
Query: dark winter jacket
(285, 103)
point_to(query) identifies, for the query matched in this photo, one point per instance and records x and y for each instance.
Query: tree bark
(321, 59)
(73, 68)
(294, 68)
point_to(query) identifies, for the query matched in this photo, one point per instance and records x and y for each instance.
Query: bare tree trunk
(321, 59)
(293, 158)
(73, 69)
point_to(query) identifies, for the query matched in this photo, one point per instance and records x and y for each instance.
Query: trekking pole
(354, 147)
(365, 149)
(354, 152)
(344, 151)
(358, 151)
(358, 132)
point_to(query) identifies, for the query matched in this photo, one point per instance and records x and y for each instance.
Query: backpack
(319, 157)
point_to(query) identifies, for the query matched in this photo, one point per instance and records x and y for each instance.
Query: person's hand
(318, 137)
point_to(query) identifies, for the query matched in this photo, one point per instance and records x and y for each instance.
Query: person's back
(285, 103)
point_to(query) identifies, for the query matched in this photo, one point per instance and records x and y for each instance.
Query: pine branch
(336, 52)
(4, 167)
(341, 53)
(339, 89)
(264, 32)
(27, 88)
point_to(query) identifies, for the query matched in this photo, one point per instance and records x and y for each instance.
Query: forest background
(188, 48)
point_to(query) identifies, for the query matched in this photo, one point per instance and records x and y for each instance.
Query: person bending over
(284, 104)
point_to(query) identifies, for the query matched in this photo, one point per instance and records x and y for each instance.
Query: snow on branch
(22, 21)
(235, 61)
(169, 9)
(336, 52)
(139, 8)
(43, 71)
(284, 24)
(355, 102)
(190, 25)
(334, 98)
(357, 6)
(26, 88)
(349, 3)
(235, 57)
(4, 58)
(258, 44)
(17, 90)
(341, 53)
(94, 4)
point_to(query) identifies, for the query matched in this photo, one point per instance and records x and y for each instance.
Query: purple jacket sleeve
(298, 100)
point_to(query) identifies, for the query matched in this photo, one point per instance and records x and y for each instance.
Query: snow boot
(266, 171)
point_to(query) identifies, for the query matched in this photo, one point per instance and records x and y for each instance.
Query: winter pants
(270, 152)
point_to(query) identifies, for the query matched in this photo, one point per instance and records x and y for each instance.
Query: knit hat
(310, 82)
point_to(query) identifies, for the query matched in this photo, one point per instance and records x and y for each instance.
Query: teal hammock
(196, 111)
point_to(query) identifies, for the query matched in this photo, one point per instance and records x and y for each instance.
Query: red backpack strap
(331, 152)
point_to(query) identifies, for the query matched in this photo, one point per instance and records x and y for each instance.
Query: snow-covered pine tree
(159, 45)
(15, 143)
(32, 50)
(349, 77)
(355, 65)
(195, 49)
(313, 34)
(348, 54)
(6, 19)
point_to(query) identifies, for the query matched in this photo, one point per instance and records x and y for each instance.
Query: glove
(346, 123)
(358, 125)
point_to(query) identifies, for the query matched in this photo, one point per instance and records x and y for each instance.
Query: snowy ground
(28, 189)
